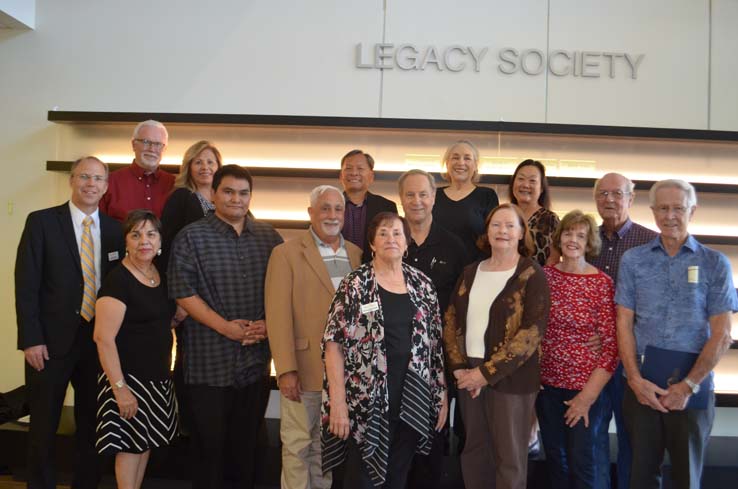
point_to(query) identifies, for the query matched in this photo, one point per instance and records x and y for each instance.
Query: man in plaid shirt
(614, 195)
(216, 274)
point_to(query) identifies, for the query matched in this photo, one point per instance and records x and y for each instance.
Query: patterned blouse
(361, 334)
(581, 305)
(542, 225)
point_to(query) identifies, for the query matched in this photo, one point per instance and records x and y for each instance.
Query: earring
(126, 251)
(404, 255)
(158, 252)
(372, 254)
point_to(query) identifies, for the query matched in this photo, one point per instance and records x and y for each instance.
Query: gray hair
(320, 190)
(682, 185)
(415, 171)
(77, 162)
(150, 123)
(630, 186)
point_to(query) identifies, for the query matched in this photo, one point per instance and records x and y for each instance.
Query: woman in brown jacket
(493, 329)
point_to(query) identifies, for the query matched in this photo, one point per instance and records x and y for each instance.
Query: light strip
(497, 165)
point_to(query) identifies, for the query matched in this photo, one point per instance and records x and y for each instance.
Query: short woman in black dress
(136, 404)
(462, 206)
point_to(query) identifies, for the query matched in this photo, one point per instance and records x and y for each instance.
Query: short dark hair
(235, 171)
(386, 218)
(544, 200)
(525, 245)
(140, 216)
(354, 152)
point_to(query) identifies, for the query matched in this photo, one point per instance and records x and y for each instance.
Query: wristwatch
(694, 387)
(121, 383)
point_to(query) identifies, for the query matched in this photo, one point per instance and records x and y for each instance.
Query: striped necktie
(87, 260)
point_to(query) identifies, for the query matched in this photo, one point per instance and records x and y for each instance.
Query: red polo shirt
(131, 188)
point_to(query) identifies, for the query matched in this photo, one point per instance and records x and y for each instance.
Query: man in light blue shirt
(676, 294)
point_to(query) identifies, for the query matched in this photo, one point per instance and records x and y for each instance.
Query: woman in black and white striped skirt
(136, 403)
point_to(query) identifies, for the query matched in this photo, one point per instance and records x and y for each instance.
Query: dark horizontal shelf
(489, 179)
(78, 117)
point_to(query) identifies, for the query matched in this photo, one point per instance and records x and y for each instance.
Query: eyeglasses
(678, 210)
(95, 178)
(151, 144)
(616, 194)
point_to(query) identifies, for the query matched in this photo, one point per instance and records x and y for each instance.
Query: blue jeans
(572, 454)
(612, 397)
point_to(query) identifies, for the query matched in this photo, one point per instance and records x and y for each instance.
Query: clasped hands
(674, 398)
(245, 331)
(470, 379)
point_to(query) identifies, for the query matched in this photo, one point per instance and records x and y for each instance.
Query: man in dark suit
(357, 173)
(63, 254)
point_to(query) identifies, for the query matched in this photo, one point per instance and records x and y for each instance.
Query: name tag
(367, 308)
(113, 255)
(693, 274)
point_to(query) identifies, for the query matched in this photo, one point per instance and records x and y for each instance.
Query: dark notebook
(667, 367)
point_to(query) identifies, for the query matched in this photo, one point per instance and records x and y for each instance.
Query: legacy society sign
(508, 61)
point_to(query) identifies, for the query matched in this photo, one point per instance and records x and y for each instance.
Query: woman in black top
(136, 405)
(192, 195)
(463, 206)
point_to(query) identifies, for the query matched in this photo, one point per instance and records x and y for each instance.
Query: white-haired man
(142, 185)
(675, 298)
(301, 280)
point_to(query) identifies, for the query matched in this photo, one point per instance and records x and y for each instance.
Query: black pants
(683, 433)
(225, 426)
(46, 392)
(403, 441)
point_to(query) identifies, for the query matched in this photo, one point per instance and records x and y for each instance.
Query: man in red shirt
(142, 185)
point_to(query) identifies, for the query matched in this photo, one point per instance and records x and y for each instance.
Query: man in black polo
(216, 274)
(441, 255)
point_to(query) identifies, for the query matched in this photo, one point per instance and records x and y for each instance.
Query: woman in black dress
(136, 404)
(462, 206)
(192, 196)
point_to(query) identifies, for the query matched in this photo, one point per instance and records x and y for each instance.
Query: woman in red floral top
(569, 406)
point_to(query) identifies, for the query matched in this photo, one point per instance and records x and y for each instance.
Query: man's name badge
(693, 274)
(113, 255)
(367, 308)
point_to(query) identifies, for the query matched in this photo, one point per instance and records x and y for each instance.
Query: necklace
(151, 279)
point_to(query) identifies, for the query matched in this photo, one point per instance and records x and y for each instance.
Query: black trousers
(683, 433)
(225, 426)
(403, 441)
(46, 392)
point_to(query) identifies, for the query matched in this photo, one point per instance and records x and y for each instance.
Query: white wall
(296, 57)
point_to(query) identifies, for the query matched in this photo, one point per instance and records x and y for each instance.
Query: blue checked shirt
(227, 271)
(673, 298)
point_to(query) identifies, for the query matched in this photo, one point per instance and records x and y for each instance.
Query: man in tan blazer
(301, 280)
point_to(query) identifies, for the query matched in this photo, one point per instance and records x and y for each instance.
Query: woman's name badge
(367, 308)
(693, 274)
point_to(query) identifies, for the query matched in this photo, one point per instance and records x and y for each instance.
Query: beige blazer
(298, 295)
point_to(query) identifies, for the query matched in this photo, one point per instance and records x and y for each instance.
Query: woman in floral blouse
(384, 392)
(569, 406)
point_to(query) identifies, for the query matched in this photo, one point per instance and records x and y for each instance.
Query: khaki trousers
(300, 433)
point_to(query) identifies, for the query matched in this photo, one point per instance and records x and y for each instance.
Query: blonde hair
(184, 179)
(447, 155)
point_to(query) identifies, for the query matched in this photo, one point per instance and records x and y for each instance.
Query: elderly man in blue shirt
(676, 295)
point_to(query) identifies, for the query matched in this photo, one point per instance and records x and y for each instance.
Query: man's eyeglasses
(616, 194)
(151, 144)
(663, 210)
(95, 178)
